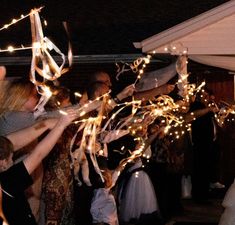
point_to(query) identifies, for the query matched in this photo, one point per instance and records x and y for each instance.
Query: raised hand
(67, 118)
(126, 92)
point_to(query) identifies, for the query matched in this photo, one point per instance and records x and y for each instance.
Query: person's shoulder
(16, 179)
(15, 120)
(17, 115)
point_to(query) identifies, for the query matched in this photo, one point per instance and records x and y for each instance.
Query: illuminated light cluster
(177, 134)
(223, 113)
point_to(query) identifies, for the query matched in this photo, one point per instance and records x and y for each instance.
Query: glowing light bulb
(10, 49)
(77, 94)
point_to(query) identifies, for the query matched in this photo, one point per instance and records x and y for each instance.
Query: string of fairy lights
(13, 22)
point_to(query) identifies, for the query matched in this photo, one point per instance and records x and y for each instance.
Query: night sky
(99, 27)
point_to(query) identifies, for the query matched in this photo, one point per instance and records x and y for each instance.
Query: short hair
(6, 148)
(93, 89)
(95, 77)
(59, 94)
(99, 76)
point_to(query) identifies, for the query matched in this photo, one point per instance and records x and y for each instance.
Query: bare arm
(23, 137)
(45, 146)
(150, 94)
(80, 109)
(126, 92)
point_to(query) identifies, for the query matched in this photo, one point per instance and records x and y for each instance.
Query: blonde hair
(14, 94)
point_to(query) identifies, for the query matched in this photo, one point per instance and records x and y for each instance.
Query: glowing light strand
(14, 21)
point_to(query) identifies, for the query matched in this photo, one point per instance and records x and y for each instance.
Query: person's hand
(126, 92)
(67, 118)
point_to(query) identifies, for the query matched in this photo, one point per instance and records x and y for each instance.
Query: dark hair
(6, 148)
(59, 94)
(95, 76)
(93, 88)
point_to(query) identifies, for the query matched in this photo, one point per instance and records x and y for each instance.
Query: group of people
(62, 175)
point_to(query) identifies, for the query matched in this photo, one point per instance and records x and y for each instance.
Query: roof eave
(189, 26)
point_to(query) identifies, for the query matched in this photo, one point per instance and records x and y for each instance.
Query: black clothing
(16, 208)
(202, 137)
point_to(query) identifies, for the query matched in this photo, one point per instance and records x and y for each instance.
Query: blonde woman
(17, 102)
(18, 99)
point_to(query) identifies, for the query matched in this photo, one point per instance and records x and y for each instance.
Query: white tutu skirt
(138, 197)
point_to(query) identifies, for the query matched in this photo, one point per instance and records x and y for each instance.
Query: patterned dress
(58, 183)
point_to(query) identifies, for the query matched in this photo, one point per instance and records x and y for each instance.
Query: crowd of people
(57, 170)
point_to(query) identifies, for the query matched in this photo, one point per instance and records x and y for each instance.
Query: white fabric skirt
(138, 197)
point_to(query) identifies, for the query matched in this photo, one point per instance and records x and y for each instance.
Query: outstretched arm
(23, 137)
(45, 146)
(150, 94)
